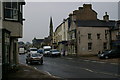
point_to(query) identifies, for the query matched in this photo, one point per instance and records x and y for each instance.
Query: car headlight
(102, 54)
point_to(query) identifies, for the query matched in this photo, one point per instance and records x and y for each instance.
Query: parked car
(41, 51)
(54, 52)
(34, 58)
(33, 50)
(109, 54)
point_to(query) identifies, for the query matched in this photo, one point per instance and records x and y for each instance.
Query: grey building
(11, 25)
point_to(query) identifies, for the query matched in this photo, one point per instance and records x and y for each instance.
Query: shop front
(5, 50)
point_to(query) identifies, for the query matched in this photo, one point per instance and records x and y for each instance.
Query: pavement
(26, 72)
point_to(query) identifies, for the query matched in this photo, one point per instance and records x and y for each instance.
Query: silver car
(54, 52)
(34, 58)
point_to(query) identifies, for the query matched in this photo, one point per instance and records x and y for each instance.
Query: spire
(51, 27)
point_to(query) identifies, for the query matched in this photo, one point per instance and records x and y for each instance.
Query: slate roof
(95, 23)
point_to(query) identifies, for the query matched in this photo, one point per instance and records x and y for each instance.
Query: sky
(37, 15)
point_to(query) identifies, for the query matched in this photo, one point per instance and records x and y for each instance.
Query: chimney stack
(87, 6)
(106, 17)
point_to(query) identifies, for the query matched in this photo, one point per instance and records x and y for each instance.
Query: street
(65, 67)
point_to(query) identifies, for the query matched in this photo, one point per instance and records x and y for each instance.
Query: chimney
(80, 8)
(87, 6)
(106, 17)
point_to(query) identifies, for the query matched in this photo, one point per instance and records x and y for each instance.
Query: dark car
(34, 58)
(41, 51)
(110, 54)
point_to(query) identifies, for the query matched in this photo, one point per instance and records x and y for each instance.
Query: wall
(113, 35)
(97, 44)
(14, 27)
(0, 40)
(0, 54)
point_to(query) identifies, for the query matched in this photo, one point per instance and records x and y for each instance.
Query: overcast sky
(37, 15)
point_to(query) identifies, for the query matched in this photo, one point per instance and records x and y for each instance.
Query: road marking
(55, 77)
(48, 73)
(114, 63)
(117, 75)
(89, 70)
(35, 68)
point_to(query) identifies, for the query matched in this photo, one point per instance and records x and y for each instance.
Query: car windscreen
(46, 49)
(55, 51)
(36, 55)
(33, 49)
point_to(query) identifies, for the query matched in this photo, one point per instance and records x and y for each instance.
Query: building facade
(60, 36)
(37, 43)
(11, 21)
(115, 35)
(88, 35)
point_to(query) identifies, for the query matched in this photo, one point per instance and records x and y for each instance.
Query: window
(89, 35)
(106, 36)
(105, 45)
(89, 46)
(79, 39)
(11, 11)
(98, 36)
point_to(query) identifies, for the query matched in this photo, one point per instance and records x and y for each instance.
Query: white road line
(55, 77)
(100, 72)
(114, 63)
(48, 73)
(89, 70)
(35, 68)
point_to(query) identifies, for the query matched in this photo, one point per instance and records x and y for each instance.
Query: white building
(61, 34)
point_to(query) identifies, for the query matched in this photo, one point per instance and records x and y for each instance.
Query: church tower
(51, 28)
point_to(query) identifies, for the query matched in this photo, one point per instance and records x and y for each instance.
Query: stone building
(37, 43)
(11, 25)
(87, 35)
(60, 36)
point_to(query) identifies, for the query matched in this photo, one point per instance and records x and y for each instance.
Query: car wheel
(41, 62)
(26, 62)
(106, 57)
(30, 62)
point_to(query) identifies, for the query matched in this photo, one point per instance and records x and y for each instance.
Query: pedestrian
(63, 52)
(99, 52)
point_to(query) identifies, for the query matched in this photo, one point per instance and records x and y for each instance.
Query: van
(46, 50)
(21, 50)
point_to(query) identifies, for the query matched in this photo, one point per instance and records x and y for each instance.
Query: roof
(95, 23)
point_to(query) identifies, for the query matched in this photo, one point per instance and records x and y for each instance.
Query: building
(60, 36)
(50, 37)
(115, 35)
(37, 43)
(88, 35)
(11, 25)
